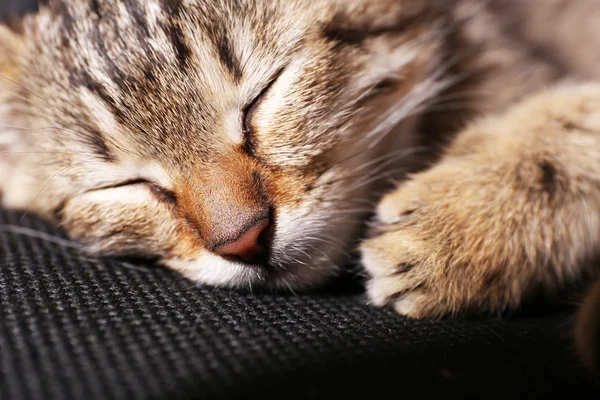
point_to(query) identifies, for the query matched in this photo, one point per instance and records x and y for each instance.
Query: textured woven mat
(72, 327)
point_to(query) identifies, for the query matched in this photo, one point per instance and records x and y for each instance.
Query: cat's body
(245, 142)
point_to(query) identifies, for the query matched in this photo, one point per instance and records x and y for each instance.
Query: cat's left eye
(251, 107)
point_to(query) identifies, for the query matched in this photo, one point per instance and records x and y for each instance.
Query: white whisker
(21, 230)
(54, 176)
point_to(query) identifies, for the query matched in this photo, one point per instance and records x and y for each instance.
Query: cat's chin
(215, 271)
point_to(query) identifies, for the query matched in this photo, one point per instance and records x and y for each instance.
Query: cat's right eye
(163, 194)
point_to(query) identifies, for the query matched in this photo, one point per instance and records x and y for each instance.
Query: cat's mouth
(291, 265)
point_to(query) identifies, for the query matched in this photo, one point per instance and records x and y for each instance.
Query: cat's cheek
(122, 221)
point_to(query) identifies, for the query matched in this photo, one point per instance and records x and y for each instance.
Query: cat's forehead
(170, 80)
(206, 42)
(168, 74)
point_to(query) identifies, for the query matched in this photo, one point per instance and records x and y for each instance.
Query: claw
(401, 268)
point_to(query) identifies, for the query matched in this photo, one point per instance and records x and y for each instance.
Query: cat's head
(241, 142)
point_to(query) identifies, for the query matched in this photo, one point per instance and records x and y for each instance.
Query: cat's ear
(13, 14)
(12, 48)
(14, 17)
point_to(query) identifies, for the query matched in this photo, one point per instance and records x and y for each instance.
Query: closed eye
(161, 193)
(248, 113)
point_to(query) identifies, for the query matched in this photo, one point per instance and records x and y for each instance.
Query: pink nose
(249, 245)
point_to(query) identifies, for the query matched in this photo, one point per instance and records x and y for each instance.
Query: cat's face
(241, 142)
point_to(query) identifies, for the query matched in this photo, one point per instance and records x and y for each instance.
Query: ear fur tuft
(11, 46)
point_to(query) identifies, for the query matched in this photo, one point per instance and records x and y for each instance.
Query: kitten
(246, 142)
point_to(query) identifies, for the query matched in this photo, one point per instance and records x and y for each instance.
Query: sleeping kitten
(246, 142)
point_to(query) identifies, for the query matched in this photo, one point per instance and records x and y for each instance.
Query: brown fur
(474, 246)
(168, 127)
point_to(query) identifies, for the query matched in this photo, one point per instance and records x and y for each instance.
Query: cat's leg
(512, 208)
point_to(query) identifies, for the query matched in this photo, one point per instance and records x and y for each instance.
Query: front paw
(451, 241)
(406, 259)
(401, 274)
(511, 210)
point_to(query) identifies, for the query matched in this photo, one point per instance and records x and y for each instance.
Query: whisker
(27, 90)
(21, 230)
(370, 179)
(51, 178)
(61, 126)
(42, 152)
(39, 129)
(82, 134)
(401, 154)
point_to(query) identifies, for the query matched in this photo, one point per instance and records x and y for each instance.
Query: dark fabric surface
(72, 327)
